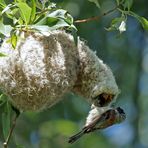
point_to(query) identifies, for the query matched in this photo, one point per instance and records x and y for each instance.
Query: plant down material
(45, 66)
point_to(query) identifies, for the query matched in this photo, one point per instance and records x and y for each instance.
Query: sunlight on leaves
(14, 39)
(5, 29)
(25, 12)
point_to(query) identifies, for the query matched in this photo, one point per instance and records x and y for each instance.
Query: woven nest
(44, 67)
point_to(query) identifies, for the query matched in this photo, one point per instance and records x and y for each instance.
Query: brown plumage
(107, 119)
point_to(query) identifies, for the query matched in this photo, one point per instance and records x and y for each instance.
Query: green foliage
(6, 115)
(2, 54)
(96, 2)
(142, 20)
(32, 16)
(116, 24)
(125, 11)
(124, 8)
(121, 53)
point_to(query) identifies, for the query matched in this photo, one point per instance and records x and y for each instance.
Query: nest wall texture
(44, 67)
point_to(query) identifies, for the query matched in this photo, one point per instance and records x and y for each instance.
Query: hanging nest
(39, 71)
(44, 67)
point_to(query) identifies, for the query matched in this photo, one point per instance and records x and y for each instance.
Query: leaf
(7, 8)
(41, 28)
(117, 1)
(60, 13)
(75, 37)
(14, 39)
(96, 2)
(68, 18)
(33, 11)
(25, 12)
(3, 99)
(5, 29)
(61, 23)
(6, 119)
(144, 23)
(116, 22)
(57, 19)
(38, 4)
(2, 55)
(51, 21)
(128, 4)
(2, 3)
(142, 20)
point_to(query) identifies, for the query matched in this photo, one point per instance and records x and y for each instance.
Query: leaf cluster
(124, 9)
(32, 15)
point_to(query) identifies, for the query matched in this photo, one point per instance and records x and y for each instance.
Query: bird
(106, 119)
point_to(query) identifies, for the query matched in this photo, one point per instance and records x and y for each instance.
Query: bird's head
(121, 116)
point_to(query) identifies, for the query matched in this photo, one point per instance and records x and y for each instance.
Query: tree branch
(5, 144)
(96, 17)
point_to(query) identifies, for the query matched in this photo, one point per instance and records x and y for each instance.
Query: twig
(5, 144)
(96, 17)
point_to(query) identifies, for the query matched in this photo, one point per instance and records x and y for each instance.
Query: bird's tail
(72, 139)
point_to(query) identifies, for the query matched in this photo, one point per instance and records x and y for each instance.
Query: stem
(5, 144)
(96, 17)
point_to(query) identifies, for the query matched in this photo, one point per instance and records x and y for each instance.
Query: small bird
(108, 118)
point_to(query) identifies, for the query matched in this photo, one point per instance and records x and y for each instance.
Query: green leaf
(115, 24)
(57, 19)
(142, 20)
(60, 13)
(2, 55)
(128, 4)
(25, 12)
(74, 34)
(61, 23)
(52, 21)
(96, 2)
(41, 28)
(38, 4)
(5, 29)
(33, 11)
(2, 3)
(6, 119)
(3, 99)
(144, 23)
(68, 18)
(14, 39)
(7, 8)
(117, 1)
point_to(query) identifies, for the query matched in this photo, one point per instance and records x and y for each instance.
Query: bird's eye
(103, 99)
(120, 110)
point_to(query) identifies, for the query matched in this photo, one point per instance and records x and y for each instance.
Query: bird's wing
(97, 121)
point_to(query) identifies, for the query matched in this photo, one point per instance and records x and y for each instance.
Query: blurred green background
(127, 55)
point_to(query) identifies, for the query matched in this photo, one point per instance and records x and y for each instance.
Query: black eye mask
(103, 99)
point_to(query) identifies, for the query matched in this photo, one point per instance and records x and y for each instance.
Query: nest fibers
(44, 67)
